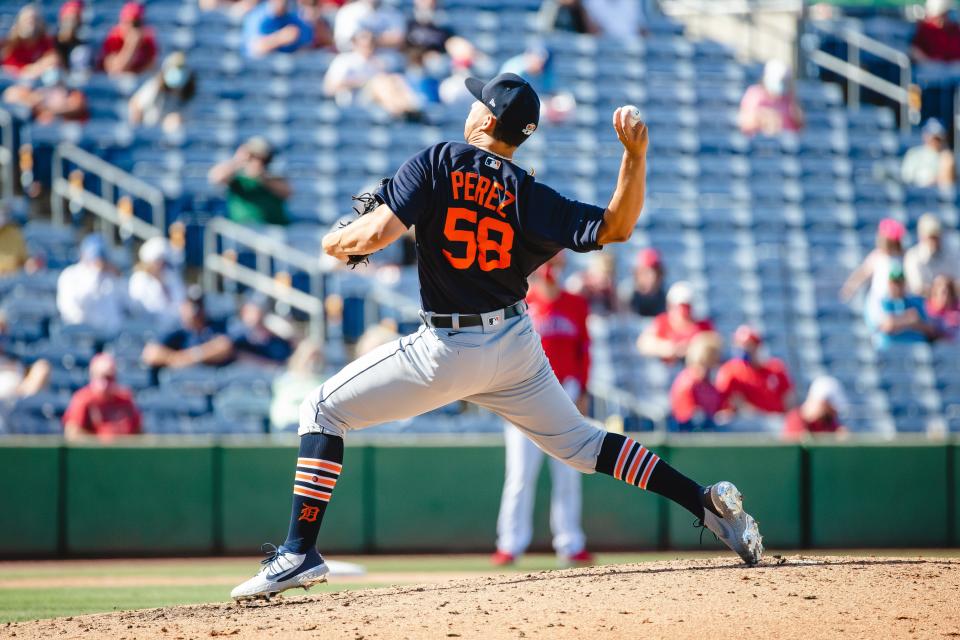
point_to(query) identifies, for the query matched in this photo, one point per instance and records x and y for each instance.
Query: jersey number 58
(482, 242)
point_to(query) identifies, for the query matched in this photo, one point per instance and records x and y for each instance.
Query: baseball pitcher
(483, 225)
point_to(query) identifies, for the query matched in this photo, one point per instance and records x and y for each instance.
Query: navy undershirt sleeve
(569, 223)
(408, 192)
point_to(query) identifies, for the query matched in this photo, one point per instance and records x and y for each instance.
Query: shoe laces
(700, 524)
(272, 552)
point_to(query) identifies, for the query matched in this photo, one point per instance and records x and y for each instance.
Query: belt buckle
(493, 320)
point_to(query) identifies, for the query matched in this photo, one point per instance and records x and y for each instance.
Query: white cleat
(735, 527)
(283, 570)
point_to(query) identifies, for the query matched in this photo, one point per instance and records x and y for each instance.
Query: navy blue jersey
(483, 225)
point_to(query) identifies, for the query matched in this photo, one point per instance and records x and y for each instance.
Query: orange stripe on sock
(624, 450)
(646, 474)
(635, 466)
(314, 463)
(310, 493)
(318, 480)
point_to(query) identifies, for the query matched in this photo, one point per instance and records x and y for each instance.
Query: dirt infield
(792, 597)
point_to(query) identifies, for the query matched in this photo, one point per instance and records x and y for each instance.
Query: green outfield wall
(169, 497)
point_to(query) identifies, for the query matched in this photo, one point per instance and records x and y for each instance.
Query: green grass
(29, 603)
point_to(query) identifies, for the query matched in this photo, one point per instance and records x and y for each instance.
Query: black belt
(474, 319)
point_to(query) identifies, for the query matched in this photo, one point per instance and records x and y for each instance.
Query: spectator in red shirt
(670, 332)
(28, 50)
(820, 412)
(937, 38)
(102, 408)
(695, 402)
(130, 47)
(760, 383)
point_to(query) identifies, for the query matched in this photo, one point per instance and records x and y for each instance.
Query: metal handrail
(648, 408)
(8, 155)
(855, 75)
(105, 205)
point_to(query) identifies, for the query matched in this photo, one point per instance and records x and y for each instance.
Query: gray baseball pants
(500, 366)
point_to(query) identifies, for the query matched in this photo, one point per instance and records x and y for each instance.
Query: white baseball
(633, 114)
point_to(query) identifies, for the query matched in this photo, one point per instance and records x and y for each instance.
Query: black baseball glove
(366, 203)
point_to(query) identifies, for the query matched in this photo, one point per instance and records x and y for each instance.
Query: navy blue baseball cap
(512, 101)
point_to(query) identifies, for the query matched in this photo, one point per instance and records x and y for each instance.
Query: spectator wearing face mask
(156, 288)
(930, 164)
(929, 257)
(73, 52)
(904, 317)
(670, 333)
(163, 98)
(760, 383)
(770, 108)
(103, 408)
(820, 412)
(90, 292)
(52, 101)
(130, 46)
(28, 49)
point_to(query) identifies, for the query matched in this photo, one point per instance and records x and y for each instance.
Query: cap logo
(530, 128)
(493, 102)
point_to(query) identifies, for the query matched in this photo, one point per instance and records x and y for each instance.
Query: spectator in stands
(304, 374)
(73, 51)
(236, 8)
(253, 340)
(875, 269)
(103, 408)
(254, 195)
(360, 75)
(622, 19)
(904, 317)
(930, 164)
(130, 46)
(273, 26)
(318, 14)
(646, 294)
(163, 98)
(597, 283)
(194, 343)
(937, 38)
(929, 257)
(52, 100)
(670, 333)
(91, 292)
(13, 248)
(696, 404)
(565, 15)
(943, 307)
(387, 26)
(28, 49)
(17, 381)
(534, 66)
(156, 288)
(760, 383)
(771, 107)
(820, 412)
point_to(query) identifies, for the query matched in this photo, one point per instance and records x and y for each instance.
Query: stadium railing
(82, 182)
(858, 78)
(8, 151)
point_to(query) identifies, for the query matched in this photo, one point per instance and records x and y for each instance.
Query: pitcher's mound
(792, 597)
